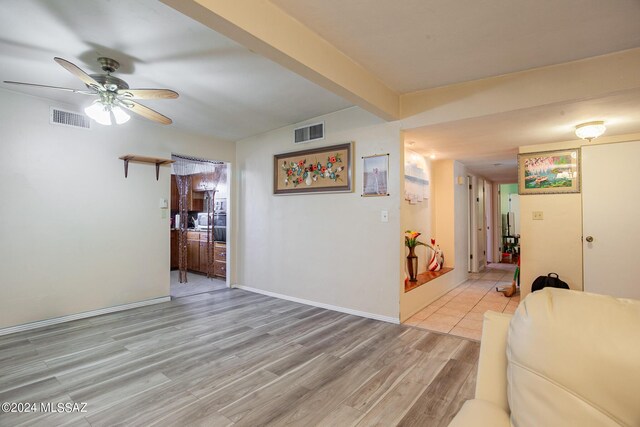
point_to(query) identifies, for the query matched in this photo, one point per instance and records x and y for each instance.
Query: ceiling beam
(267, 30)
(568, 82)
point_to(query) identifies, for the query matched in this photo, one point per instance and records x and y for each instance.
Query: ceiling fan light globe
(120, 115)
(104, 119)
(99, 112)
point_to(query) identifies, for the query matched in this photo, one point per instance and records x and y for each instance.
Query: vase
(412, 265)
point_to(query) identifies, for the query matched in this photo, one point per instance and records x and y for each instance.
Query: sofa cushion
(491, 382)
(574, 359)
(480, 413)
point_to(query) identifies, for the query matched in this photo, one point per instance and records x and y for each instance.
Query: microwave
(202, 221)
(218, 219)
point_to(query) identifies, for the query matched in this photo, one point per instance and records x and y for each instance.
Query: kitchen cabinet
(220, 259)
(200, 183)
(193, 251)
(174, 193)
(195, 200)
(174, 250)
(203, 257)
(197, 253)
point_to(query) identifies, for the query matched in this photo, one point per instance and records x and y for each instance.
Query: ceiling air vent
(69, 118)
(308, 133)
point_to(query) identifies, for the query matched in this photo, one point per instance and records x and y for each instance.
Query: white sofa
(565, 358)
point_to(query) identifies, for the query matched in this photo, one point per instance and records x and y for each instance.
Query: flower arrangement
(298, 172)
(411, 239)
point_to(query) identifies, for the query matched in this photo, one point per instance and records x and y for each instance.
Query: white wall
(75, 234)
(417, 217)
(560, 232)
(461, 217)
(326, 248)
(450, 215)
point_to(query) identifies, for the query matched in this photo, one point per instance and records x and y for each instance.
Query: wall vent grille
(308, 133)
(69, 118)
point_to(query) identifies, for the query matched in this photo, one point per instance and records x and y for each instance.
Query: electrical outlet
(538, 215)
(384, 216)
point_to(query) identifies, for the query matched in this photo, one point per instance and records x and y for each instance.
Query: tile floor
(197, 284)
(460, 311)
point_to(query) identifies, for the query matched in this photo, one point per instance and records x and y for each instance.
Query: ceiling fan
(113, 94)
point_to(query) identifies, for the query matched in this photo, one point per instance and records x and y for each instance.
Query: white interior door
(481, 228)
(471, 226)
(489, 199)
(610, 226)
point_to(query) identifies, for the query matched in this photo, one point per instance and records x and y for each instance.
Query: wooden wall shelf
(142, 159)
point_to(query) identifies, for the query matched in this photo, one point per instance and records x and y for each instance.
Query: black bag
(548, 281)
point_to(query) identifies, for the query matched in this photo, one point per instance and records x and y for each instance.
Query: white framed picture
(375, 175)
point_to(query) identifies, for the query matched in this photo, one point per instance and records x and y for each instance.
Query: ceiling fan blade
(84, 92)
(146, 112)
(76, 71)
(148, 93)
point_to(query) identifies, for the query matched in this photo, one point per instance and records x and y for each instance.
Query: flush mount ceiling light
(432, 156)
(590, 130)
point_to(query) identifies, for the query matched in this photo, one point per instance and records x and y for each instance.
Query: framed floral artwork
(375, 175)
(549, 172)
(319, 170)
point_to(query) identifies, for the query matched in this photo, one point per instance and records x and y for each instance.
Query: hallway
(460, 311)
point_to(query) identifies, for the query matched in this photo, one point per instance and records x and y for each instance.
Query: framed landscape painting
(549, 172)
(319, 170)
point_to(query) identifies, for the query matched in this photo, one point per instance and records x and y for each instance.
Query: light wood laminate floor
(230, 357)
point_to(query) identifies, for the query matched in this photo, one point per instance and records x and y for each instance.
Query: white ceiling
(226, 91)
(418, 44)
(482, 142)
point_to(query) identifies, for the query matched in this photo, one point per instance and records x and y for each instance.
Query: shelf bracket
(141, 159)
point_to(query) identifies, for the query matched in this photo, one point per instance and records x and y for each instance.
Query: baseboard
(443, 293)
(83, 315)
(320, 304)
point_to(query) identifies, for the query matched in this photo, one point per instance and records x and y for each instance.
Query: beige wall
(418, 216)
(76, 235)
(554, 244)
(329, 249)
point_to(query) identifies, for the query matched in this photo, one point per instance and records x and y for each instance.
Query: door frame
(472, 224)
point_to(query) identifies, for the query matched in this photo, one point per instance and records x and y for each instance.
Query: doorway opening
(509, 202)
(199, 208)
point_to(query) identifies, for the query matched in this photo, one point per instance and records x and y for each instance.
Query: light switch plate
(164, 204)
(384, 216)
(538, 215)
